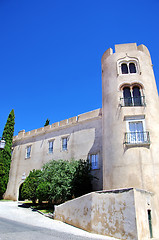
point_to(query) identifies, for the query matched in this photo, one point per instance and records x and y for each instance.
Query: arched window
(132, 68)
(124, 68)
(127, 96)
(136, 96)
(128, 67)
(132, 96)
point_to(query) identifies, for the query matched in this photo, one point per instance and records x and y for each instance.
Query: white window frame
(135, 119)
(28, 152)
(127, 61)
(95, 162)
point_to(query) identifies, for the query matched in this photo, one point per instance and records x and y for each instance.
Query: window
(132, 96)
(127, 96)
(132, 68)
(28, 151)
(136, 133)
(124, 68)
(64, 143)
(128, 68)
(94, 161)
(136, 96)
(51, 146)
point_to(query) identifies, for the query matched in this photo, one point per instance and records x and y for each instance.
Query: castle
(122, 142)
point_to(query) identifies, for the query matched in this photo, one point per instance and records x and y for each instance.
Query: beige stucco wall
(119, 213)
(138, 165)
(111, 213)
(84, 137)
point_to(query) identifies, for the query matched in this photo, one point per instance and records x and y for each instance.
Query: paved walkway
(10, 210)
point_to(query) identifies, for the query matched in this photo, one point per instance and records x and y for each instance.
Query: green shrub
(58, 181)
(81, 183)
(43, 192)
(30, 185)
(59, 174)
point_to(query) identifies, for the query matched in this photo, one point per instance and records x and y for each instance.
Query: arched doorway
(20, 195)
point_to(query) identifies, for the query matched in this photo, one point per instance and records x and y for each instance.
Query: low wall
(110, 213)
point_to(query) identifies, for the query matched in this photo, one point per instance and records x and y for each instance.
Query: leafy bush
(43, 191)
(30, 185)
(59, 174)
(82, 178)
(58, 181)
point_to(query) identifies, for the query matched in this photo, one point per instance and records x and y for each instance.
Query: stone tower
(127, 208)
(130, 119)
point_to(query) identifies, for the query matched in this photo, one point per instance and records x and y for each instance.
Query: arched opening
(136, 96)
(127, 96)
(124, 68)
(20, 195)
(132, 68)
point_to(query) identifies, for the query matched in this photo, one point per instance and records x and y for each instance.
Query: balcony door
(136, 132)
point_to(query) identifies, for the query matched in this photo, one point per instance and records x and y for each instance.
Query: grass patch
(46, 211)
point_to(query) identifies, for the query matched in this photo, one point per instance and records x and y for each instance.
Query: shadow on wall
(95, 157)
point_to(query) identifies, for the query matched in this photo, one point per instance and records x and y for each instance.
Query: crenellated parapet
(125, 48)
(58, 125)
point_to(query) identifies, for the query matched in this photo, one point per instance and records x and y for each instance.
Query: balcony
(137, 138)
(132, 101)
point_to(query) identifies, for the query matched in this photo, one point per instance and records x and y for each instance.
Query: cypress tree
(5, 154)
(47, 122)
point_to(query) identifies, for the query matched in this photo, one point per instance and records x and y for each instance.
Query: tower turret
(130, 119)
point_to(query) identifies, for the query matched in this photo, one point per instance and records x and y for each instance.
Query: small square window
(94, 161)
(28, 151)
(64, 143)
(51, 143)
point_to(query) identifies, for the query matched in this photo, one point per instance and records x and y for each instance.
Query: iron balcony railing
(137, 138)
(132, 101)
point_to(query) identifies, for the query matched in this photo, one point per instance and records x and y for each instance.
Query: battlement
(58, 125)
(125, 48)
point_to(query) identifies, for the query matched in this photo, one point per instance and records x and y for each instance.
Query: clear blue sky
(50, 53)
